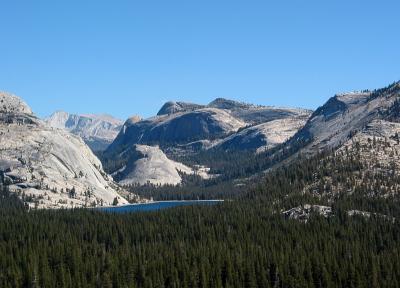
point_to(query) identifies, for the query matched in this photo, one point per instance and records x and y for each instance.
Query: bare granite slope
(149, 165)
(344, 116)
(263, 136)
(46, 166)
(185, 128)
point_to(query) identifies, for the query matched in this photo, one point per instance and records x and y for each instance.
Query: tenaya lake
(159, 205)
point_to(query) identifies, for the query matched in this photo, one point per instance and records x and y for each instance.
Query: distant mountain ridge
(341, 124)
(223, 124)
(180, 122)
(98, 131)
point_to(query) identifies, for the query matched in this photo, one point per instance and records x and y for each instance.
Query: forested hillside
(246, 242)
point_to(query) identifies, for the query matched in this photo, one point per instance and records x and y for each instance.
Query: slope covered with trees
(246, 242)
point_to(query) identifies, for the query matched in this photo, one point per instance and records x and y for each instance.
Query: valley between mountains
(221, 150)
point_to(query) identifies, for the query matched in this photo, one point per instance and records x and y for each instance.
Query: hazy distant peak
(57, 119)
(98, 131)
(103, 117)
(60, 114)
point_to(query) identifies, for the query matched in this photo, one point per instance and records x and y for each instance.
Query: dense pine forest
(245, 242)
(227, 246)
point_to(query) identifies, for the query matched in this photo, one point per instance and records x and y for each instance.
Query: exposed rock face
(222, 103)
(134, 119)
(263, 136)
(176, 128)
(149, 165)
(10, 104)
(256, 114)
(48, 167)
(343, 116)
(98, 131)
(183, 123)
(175, 107)
(185, 128)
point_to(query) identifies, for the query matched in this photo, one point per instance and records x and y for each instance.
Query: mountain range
(183, 129)
(44, 160)
(98, 131)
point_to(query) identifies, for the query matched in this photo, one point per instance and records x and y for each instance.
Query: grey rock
(185, 128)
(342, 117)
(149, 165)
(48, 163)
(257, 114)
(172, 107)
(98, 131)
(263, 136)
(182, 127)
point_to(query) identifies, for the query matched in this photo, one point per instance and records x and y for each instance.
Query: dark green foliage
(232, 245)
(191, 190)
(390, 89)
(9, 202)
(237, 244)
(231, 165)
(245, 242)
(115, 201)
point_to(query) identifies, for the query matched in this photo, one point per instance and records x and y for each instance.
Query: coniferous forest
(245, 242)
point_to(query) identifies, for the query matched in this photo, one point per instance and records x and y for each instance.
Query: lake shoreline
(161, 201)
(156, 205)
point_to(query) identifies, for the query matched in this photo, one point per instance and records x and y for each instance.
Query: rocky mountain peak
(104, 118)
(10, 103)
(98, 131)
(172, 107)
(134, 119)
(344, 116)
(353, 97)
(57, 119)
(222, 103)
(168, 107)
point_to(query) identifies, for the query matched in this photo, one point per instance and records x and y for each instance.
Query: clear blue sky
(128, 57)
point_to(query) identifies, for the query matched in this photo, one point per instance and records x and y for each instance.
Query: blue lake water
(155, 206)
